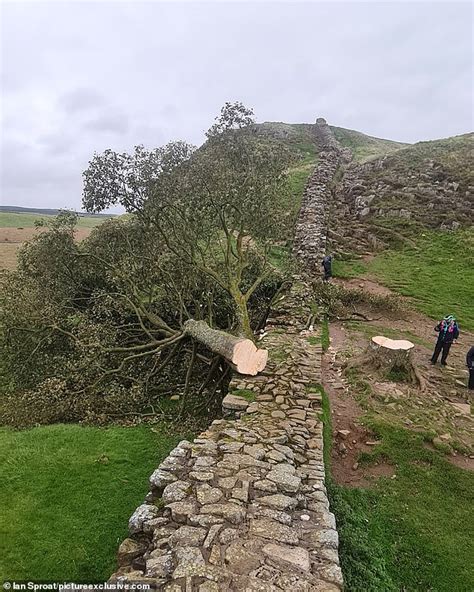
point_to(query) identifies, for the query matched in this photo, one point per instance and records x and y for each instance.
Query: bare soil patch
(442, 410)
(11, 240)
(349, 436)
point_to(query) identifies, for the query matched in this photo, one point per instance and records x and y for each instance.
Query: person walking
(448, 330)
(470, 365)
(327, 266)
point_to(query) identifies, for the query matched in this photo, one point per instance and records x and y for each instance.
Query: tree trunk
(241, 353)
(391, 353)
(242, 313)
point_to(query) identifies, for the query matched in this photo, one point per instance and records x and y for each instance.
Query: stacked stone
(311, 227)
(244, 507)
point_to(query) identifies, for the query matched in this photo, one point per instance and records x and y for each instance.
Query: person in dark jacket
(448, 333)
(470, 365)
(327, 266)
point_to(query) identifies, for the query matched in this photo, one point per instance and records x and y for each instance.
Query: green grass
(12, 220)
(372, 330)
(66, 495)
(365, 147)
(297, 178)
(325, 335)
(348, 269)
(245, 394)
(438, 274)
(410, 533)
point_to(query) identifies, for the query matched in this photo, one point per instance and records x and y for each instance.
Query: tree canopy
(100, 326)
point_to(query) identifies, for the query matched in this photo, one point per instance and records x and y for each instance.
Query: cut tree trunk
(241, 353)
(391, 353)
(385, 355)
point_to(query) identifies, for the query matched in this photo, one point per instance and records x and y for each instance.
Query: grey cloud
(108, 122)
(80, 99)
(80, 77)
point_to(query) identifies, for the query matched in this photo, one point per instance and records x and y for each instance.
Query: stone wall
(310, 242)
(244, 507)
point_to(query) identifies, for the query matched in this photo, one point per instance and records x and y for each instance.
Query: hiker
(448, 333)
(470, 365)
(327, 265)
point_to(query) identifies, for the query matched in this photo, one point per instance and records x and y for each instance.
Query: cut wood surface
(394, 344)
(241, 353)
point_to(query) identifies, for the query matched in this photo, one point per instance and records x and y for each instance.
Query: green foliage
(216, 209)
(407, 533)
(66, 494)
(82, 324)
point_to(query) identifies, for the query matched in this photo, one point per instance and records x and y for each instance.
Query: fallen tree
(241, 353)
(161, 303)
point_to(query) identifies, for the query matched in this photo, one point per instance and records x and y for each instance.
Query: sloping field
(15, 229)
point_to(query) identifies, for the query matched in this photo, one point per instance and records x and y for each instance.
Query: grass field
(412, 532)
(15, 229)
(365, 147)
(27, 220)
(66, 494)
(438, 275)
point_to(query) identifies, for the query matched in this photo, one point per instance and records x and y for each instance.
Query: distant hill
(49, 212)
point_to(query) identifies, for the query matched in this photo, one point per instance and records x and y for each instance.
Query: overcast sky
(79, 77)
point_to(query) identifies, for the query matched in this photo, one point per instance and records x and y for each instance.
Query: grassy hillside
(453, 154)
(365, 147)
(27, 220)
(437, 273)
(410, 532)
(300, 137)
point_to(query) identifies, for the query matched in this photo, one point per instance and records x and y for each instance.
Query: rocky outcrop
(392, 196)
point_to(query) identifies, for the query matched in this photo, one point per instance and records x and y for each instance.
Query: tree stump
(389, 354)
(242, 354)
(391, 359)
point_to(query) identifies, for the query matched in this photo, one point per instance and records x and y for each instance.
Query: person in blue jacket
(448, 332)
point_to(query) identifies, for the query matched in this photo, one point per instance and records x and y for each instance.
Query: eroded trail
(443, 410)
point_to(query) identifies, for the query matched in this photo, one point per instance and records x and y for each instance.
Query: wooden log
(241, 353)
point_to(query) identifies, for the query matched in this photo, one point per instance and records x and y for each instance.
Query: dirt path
(443, 409)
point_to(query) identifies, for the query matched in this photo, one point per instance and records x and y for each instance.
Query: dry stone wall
(310, 242)
(244, 507)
